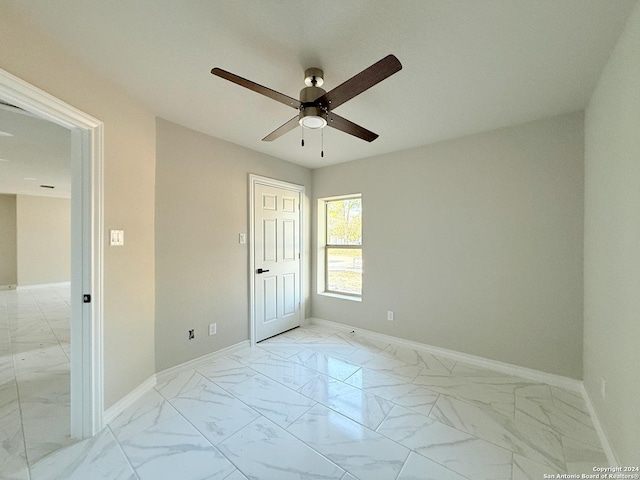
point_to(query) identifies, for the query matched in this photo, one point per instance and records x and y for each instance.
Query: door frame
(87, 156)
(300, 189)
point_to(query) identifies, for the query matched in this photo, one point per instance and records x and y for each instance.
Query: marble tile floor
(34, 377)
(315, 403)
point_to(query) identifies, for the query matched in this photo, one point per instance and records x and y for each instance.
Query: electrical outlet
(213, 327)
(192, 334)
(603, 388)
(390, 316)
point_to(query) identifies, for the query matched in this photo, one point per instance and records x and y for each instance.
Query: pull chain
(322, 145)
(302, 133)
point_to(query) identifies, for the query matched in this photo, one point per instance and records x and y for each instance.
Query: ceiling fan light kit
(315, 107)
(312, 119)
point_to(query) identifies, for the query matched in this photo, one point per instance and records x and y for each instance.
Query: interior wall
(129, 172)
(612, 246)
(43, 239)
(474, 243)
(202, 272)
(8, 250)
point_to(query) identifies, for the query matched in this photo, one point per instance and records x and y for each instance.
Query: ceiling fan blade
(267, 92)
(351, 128)
(361, 82)
(282, 129)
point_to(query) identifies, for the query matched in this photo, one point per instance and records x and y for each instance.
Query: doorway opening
(35, 304)
(86, 239)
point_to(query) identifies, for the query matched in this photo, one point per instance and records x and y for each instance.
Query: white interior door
(276, 250)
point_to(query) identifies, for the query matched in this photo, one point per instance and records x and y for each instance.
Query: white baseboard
(126, 401)
(527, 373)
(515, 370)
(171, 372)
(121, 405)
(612, 458)
(43, 285)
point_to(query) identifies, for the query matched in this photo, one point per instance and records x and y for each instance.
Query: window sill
(343, 297)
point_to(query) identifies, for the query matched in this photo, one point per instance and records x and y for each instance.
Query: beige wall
(43, 239)
(34, 240)
(129, 173)
(201, 269)
(612, 246)
(474, 243)
(8, 253)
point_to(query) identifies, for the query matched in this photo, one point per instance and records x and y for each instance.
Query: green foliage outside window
(344, 222)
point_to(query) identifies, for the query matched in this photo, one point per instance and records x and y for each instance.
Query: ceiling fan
(315, 107)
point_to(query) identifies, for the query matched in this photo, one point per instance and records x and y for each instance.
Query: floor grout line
(115, 439)
(15, 376)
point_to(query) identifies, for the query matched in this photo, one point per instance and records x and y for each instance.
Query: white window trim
(321, 238)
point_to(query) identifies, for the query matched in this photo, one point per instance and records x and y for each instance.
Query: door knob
(261, 271)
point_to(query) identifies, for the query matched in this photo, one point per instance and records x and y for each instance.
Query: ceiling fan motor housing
(311, 114)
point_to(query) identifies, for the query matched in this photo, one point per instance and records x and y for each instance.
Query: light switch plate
(116, 238)
(242, 238)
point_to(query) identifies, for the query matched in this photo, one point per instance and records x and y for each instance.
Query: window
(343, 245)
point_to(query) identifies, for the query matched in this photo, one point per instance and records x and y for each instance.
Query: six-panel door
(277, 260)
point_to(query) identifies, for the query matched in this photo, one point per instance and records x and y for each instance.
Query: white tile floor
(315, 403)
(34, 377)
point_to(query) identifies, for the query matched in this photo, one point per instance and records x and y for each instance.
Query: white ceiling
(468, 65)
(37, 153)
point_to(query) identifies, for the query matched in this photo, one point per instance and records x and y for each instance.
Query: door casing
(257, 179)
(87, 152)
